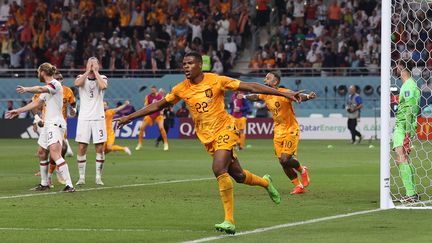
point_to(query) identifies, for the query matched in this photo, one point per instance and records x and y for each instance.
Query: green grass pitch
(151, 197)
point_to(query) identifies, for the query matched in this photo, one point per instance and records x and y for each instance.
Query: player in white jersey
(51, 136)
(91, 118)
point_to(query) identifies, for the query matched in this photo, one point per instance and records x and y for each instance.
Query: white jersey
(53, 104)
(91, 100)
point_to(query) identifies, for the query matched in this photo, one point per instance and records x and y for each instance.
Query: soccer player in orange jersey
(215, 128)
(156, 117)
(109, 114)
(286, 131)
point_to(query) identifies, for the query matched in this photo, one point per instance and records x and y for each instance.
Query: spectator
(334, 14)
(4, 12)
(299, 12)
(15, 57)
(263, 12)
(222, 30)
(196, 27)
(231, 47)
(217, 65)
(9, 108)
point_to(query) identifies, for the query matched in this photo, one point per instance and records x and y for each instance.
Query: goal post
(406, 35)
(385, 199)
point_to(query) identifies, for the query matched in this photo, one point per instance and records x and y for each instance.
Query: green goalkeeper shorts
(398, 137)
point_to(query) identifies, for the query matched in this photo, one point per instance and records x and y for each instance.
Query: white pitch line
(281, 226)
(101, 230)
(107, 187)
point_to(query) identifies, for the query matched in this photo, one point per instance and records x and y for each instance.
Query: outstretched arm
(126, 103)
(30, 106)
(34, 89)
(305, 97)
(251, 97)
(154, 107)
(262, 89)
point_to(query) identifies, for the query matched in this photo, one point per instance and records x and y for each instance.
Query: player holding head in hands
(405, 128)
(203, 93)
(91, 119)
(51, 136)
(286, 131)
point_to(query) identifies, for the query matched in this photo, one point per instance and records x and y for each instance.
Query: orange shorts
(288, 144)
(225, 140)
(240, 123)
(149, 121)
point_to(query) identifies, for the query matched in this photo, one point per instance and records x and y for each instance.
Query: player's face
(41, 78)
(154, 90)
(270, 80)
(191, 67)
(105, 106)
(399, 69)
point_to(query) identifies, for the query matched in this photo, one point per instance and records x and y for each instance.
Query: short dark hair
(194, 54)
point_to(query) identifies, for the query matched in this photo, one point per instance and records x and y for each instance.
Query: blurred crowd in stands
(323, 34)
(123, 34)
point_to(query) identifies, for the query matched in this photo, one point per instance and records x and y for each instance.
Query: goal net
(410, 42)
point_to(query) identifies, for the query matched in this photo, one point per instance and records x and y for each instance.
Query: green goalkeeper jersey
(409, 99)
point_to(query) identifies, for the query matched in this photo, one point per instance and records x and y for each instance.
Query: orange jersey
(109, 114)
(36, 96)
(68, 98)
(282, 113)
(206, 103)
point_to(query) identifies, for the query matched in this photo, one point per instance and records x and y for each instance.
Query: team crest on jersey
(208, 93)
(407, 93)
(277, 104)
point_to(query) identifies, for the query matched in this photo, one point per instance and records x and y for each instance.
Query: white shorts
(51, 134)
(94, 129)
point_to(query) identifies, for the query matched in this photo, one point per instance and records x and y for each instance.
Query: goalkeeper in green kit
(405, 128)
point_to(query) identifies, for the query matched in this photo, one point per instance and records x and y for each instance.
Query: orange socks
(163, 135)
(141, 134)
(296, 182)
(117, 148)
(226, 192)
(254, 180)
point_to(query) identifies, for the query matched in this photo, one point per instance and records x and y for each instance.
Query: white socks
(64, 171)
(100, 159)
(43, 165)
(82, 161)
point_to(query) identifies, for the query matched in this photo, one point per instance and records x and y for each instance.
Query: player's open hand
(121, 121)
(20, 89)
(12, 114)
(295, 96)
(312, 95)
